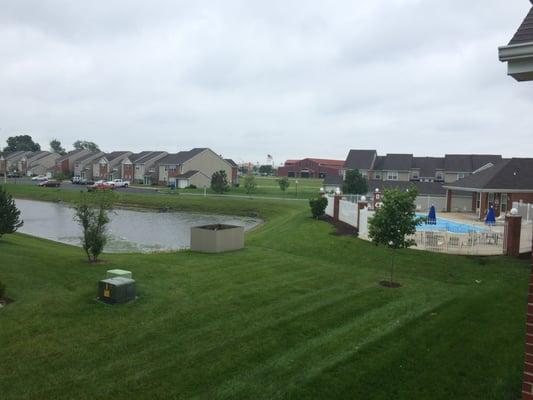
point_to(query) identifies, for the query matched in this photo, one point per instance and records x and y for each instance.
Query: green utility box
(114, 273)
(116, 290)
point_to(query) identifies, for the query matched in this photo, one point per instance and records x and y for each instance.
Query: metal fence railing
(471, 243)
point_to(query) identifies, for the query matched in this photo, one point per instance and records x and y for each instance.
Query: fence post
(513, 228)
(336, 207)
(360, 205)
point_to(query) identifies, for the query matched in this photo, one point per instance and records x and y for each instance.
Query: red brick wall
(127, 172)
(527, 386)
(310, 165)
(525, 197)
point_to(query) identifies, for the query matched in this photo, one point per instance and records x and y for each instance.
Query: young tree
(9, 214)
(318, 206)
(219, 182)
(92, 213)
(284, 183)
(249, 184)
(394, 221)
(82, 144)
(21, 143)
(355, 183)
(55, 147)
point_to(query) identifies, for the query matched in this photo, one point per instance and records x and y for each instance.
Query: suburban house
(310, 168)
(518, 54)
(234, 171)
(83, 166)
(38, 163)
(406, 167)
(498, 186)
(12, 160)
(141, 167)
(193, 167)
(108, 166)
(65, 164)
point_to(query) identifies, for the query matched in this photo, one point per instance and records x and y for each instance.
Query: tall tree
(55, 147)
(394, 221)
(9, 214)
(354, 183)
(219, 182)
(21, 143)
(82, 144)
(266, 169)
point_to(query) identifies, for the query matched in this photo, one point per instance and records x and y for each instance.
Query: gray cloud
(247, 78)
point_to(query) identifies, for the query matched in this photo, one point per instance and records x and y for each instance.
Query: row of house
(183, 169)
(455, 182)
(28, 162)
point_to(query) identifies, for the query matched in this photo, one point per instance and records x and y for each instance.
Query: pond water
(130, 231)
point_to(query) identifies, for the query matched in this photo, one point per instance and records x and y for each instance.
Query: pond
(130, 231)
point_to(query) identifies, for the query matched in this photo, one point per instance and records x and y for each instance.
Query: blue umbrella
(432, 216)
(491, 217)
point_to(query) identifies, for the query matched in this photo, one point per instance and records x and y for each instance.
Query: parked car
(39, 178)
(50, 183)
(85, 181)
(118, 183)
(100, 185)
(76, 180)
(13, 174)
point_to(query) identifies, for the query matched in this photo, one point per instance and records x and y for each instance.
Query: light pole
(296, 187)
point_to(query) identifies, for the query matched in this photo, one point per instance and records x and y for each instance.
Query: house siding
(207, 162)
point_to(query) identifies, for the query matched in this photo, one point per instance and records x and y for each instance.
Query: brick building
(311, 168)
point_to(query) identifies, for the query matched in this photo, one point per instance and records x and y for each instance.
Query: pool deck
(472, 219)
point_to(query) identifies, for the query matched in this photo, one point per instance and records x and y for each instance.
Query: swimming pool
(450, 226)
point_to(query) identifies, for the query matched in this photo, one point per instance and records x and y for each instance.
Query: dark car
(50, 183)
(85, 181)
(13, 174)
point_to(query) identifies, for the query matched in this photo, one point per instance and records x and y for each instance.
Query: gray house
(108, 166)
(83, 165)
(141, 167)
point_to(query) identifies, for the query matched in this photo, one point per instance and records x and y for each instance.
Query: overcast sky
(307, 78)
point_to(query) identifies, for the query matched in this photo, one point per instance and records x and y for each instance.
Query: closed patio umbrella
(491, 217)
(432, 216)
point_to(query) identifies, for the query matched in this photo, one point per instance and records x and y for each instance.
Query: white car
(118, 183)
(39, 178)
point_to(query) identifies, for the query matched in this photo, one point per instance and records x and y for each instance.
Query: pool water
(450, 226)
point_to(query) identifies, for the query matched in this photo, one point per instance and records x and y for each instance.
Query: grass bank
(297, 314)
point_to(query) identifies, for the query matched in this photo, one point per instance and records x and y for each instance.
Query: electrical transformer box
(116, 290)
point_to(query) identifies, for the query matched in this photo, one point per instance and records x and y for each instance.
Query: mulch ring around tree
(341, 228)
(4, 301)
(389, 284)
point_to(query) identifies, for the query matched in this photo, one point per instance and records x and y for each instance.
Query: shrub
(284, 183)
(191, 187)
(249, 184)
(318, 206)
(2, 290)
(219, 182)
(9, 214)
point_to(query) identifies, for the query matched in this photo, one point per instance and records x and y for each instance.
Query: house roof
(114, 155)
(325, 161)
(181, 157)
(468, 162)
(515, 174)
(147, 157)
(360, 159)
(15, 155)
(69, 154)
(424, 188)
(480, 160)
(90, 156)
(188, 174)
(233, 163)
(524, 34)
(399, 162)
(333, 179)
(428, 166)
(135, 157)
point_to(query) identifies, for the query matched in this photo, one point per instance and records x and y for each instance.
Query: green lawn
(298, 314)
(267, 186)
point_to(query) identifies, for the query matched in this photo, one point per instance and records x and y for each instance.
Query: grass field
(267, 186)
(298, 314)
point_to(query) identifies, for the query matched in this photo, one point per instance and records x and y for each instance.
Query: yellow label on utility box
(107, 292)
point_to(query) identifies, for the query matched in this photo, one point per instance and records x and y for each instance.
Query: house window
(503, 202)
(439, 176)
(460, 175)
(378, 175)
(392, 175)
(415, 175)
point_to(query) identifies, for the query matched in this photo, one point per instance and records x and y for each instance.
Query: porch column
(484, 206)
(448, 200)
(474, 201)
(513, 228)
